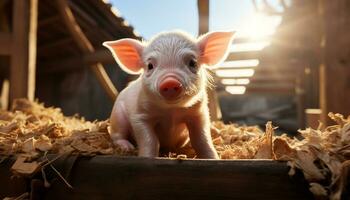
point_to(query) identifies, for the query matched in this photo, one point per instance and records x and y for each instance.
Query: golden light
(240, 63)
(235, 89)
(249, 46)
(239, 81)
(115, 11)
(231, 73)
(259, 25)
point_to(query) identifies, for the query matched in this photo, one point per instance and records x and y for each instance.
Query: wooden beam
(85, 45)
(245, 55)
(5, 43)
(48, 20)
(75, 63)
(203, 17)
(23, 59)
(56, 43)
(276, 90)
(86, 16)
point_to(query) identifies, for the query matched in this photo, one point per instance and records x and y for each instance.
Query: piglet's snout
(170, 88)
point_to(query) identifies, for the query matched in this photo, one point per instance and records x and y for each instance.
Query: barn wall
(257, 109)
(79, 92)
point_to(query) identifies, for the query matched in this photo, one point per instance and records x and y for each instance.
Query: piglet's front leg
(201, 141)
(145, 137)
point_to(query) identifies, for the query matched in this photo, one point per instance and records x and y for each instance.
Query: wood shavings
(282, 150)
(25, 168)
(322, 155)
(31, 128)
(265, 145)
(318, 190)
(28, 145)
(43, 143)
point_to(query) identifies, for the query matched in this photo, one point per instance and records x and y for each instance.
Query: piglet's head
(173, 64)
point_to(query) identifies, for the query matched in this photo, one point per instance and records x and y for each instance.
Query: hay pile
(30, 130)
(323, 155)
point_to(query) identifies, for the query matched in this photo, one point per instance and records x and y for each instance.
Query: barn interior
(287, 76)
(51, 52)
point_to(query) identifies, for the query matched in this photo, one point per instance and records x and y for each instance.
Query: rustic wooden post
(335, 67)
(23, 55)
(203, 17)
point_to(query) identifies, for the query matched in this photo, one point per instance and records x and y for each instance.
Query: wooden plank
(243, 55)
(11, 186)
(267, 85)
(335, 61)
(276, 90)
(5, 43)
(313, 117)
(111, 177)
(23, 59)
(287, 79)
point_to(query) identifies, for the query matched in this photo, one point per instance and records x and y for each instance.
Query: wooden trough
(108, 177)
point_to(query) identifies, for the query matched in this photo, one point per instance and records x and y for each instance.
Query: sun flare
(259, 25)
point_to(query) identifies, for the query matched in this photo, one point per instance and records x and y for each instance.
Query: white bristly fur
(140, 112)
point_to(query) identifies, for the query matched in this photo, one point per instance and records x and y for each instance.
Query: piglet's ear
(214, 47)
(127, 53)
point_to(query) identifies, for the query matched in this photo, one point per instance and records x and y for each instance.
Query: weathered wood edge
(123, 177)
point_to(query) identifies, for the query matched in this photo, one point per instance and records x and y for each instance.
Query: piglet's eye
(193, 66)
(150, 66)
(192, 63)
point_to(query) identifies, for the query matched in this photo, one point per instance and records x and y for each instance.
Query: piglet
(167, 106)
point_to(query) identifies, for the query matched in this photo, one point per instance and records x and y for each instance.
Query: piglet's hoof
(124, 145)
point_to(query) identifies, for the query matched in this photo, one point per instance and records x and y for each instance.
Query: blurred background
(289, 62)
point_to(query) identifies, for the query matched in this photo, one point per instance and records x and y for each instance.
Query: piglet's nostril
(170, 88)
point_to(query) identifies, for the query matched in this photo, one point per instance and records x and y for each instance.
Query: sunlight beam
(231, 73)
(240, 63)
(235, 89)
(239, 81)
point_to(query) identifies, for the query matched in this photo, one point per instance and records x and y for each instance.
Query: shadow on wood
(107, 177)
